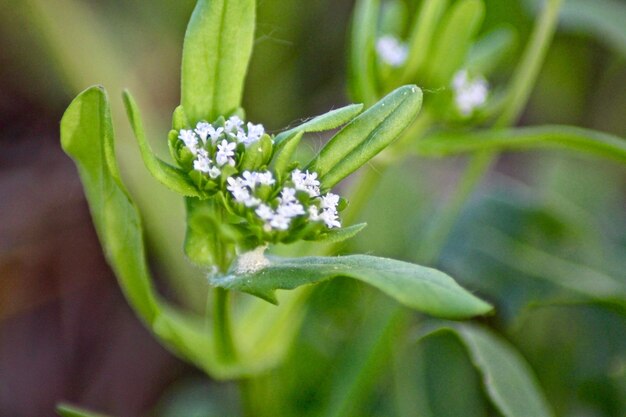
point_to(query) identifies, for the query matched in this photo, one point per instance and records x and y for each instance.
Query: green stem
(527, 71)
(437, 235)
(522, 81)
(222, 333)
(521, 86)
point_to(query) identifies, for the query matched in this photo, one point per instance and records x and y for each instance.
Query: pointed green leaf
(421, 38)
(508, 379)
(539, 137)
(361, 64)
(67, 410)
(367, 135)
(285, 151)
(341, 234)
(172, 177)
(453, 40)
(216, 53)
(326, 121)
(87, 137)
(489, 51)
(418, 287)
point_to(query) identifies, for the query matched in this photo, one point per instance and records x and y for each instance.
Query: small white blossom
(290, 210)
(330, 201)
(280, 222)
(202, 130)
(238, 189)
(391, 50)
(265, 178)
(314, 213)
(306, 181)
(255, 132)
(190, 139)
(469, 94)
(206, 130)
(233, 124)
(251, 201)
(250, 179)
(242, 137)
(225, 152)
(264, 212)
(287, 195)
(330, 218)
(202, 163)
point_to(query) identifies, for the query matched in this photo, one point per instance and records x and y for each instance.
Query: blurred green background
(544, 238)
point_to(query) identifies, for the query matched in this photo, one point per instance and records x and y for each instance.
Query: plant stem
(438, 232)
(224, 344)
(522, 82)
(527, 71)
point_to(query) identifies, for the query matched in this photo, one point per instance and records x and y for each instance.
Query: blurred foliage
(544, 238)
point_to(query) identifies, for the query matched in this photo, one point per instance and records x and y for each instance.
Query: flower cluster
(391, 51)
(214, 147)
(275, 206)
(469, 93)
(296, 199)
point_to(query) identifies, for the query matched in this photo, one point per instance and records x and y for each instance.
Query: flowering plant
(244, 191)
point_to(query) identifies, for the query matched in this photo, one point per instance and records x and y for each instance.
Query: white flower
(314, 213)
(287, 195)
(202, 163)
(238, 189)
(391, 50)
(330, 218)
(469, 94)
(255, 132)
(280, 222)
(202, 130)
(330, 201)
(233, 124)
(250, 179)
(290, 210)
(206, 130)
(190, 139)
(297, 177)
(306, 181)
(251, 201)
(225, 152)
(265, 178)
(264, 212)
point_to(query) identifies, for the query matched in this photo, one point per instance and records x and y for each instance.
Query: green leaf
(367, 135)
(87, 137)
(540, 137)
(285, 151)
(418, 287)
(453, 40)
(421, 39)
(361, 66)
(341, 234)
(508, 379)
(603, 19)
(216, 53)
(326, 121)
(67, 410)
(207, 235)
(172, 177)
(490, 50)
